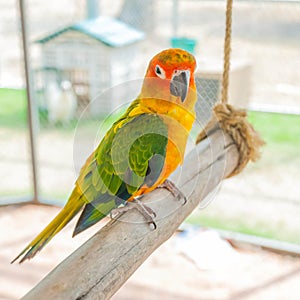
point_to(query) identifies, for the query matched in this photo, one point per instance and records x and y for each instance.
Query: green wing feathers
(120, 166)
(133, 147)
(123, 156)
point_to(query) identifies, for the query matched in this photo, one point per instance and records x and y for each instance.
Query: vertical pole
(30, 103)
(175, 18)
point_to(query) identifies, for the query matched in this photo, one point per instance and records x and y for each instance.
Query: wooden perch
(103, 264)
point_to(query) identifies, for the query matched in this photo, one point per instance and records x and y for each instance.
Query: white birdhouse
(93, 55)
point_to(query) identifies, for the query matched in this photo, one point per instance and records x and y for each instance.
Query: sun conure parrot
(139, 151)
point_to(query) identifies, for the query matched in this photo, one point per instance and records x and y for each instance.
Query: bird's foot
(173, 189)
(142, 208)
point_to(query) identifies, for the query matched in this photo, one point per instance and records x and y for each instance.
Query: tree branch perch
(102, 265)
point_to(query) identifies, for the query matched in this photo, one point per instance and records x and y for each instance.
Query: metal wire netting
(265, 74)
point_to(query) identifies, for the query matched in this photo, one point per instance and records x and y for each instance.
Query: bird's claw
(173, 189)
(147, 212)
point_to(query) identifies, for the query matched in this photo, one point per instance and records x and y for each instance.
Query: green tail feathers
(59, 222)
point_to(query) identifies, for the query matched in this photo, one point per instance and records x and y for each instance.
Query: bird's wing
(131, 155)
(138, 151)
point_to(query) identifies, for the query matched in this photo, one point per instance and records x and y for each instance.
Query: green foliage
(12, 107)
(237, 224)
(281, 133)
(277, 128)
(13, 114)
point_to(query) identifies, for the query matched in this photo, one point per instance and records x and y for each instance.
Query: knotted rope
(232, 120)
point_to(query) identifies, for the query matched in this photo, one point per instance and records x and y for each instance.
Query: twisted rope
(232, 120)
(227, 52)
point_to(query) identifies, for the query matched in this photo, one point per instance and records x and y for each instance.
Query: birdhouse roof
(107, 30)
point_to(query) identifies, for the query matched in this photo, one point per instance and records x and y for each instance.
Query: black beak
(179, 84)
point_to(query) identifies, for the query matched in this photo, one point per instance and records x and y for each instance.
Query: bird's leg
(173, 189)
(142, 208)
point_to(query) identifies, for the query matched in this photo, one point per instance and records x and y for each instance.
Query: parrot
(137, 154)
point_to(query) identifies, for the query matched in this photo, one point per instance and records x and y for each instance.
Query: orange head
(172, 72)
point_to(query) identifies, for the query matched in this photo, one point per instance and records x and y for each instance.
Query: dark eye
(160, 72)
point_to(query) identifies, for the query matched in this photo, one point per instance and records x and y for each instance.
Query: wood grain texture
(103, 264)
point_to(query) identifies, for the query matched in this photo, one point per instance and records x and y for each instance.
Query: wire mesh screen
(71, 69)
(268, 35)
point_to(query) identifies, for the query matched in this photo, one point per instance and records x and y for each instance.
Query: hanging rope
(232, 120)
(227, 52)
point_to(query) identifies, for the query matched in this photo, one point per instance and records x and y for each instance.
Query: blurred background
(78, 50)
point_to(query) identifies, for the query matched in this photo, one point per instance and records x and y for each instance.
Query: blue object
(107, 30)
(92, 9)
(184, 43)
